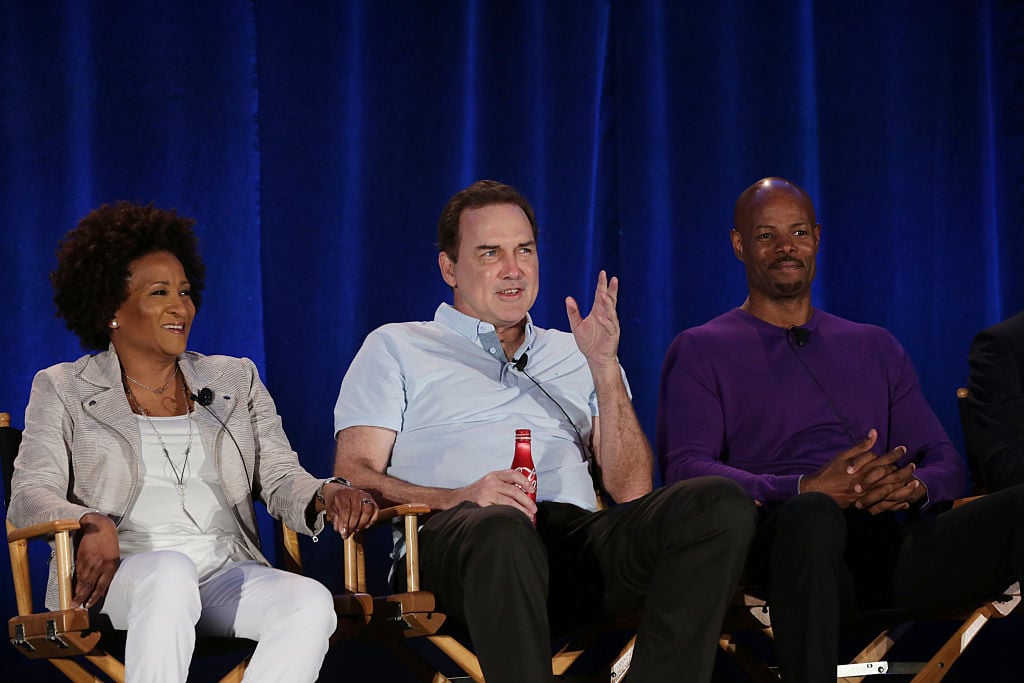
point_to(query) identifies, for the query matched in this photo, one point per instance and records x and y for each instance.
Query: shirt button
(492, 350)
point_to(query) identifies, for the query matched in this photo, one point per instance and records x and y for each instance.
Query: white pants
(156, 597)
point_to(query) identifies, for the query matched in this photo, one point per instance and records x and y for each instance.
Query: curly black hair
(94, 259)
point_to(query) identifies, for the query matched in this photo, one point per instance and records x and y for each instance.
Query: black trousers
(816, 559)
(674, 556)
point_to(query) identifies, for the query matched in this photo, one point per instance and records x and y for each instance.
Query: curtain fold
(315, 144)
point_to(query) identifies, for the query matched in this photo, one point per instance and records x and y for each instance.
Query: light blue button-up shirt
(455, 401)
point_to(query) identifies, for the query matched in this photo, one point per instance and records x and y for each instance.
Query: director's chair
(80, 645)
(412, 614)
(750, 612)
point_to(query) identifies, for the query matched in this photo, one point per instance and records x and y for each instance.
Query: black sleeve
(995, 434)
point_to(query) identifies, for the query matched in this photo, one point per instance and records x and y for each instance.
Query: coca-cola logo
(531, 476)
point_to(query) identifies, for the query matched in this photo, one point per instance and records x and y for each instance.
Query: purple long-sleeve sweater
(740, 398)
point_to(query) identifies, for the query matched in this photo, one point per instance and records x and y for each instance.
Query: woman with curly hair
(160, 453)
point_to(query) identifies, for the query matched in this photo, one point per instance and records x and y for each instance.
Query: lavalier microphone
(800, 335)
(204, 398)
(520, 365)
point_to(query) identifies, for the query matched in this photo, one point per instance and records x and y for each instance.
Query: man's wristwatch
(332, 480)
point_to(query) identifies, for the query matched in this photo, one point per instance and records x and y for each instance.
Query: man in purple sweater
(823, 422)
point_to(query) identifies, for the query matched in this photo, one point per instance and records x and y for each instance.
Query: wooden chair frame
(751, 612)
(65, 636)
(412, 614)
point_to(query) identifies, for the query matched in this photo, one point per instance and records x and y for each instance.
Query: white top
(155, 520)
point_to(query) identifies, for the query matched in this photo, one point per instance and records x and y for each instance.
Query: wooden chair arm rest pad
(415, 601)
(53, 634)
(354, 612)
(42, 529)
(389, 513)
(354, 606)
(406, 614)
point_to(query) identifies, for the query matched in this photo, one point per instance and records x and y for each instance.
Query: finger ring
(367, 501)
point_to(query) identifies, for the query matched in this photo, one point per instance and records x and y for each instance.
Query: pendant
(181, 497)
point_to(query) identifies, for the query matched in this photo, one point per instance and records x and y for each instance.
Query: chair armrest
(403, 510)
(17, 546)
(42, 529)
(355, 566)
(292, 553)
(65, 633)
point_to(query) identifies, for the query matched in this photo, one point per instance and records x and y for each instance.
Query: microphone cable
(205, 398)
(793, 341)
(520, 365)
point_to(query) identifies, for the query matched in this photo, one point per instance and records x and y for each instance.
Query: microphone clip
(204, 398)
(800, 335)
(520, 363)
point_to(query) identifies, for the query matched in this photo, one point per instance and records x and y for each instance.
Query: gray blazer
(81, 446)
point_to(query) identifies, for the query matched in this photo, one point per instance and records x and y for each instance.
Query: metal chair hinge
(20, 640)
(51, 635)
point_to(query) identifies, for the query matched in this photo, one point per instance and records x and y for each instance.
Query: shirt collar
(477, 331)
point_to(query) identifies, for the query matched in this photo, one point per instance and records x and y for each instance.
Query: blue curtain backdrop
(316, 142)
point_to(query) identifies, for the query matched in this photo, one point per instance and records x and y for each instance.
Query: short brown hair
(478, 195)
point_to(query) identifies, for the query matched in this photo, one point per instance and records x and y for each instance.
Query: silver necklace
(144, 386)
(179, 477)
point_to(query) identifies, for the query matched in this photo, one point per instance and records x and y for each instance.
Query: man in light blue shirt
(427, 413)
(404, 369)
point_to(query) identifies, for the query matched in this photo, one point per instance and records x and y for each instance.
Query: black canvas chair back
(966, 410)
(10, 439)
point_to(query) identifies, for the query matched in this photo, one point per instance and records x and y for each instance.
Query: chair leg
(108, 664)
(620, 666)
(880, 646)
(571, 651)
(236, 674)
(938, 666)
(459, 654)
(417, 665)
(73, 671)
(877, 649)
(568, 654)
(756, 670)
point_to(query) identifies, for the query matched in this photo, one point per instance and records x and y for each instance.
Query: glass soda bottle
(522, 462)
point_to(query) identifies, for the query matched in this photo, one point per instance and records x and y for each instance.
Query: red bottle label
(522, 462)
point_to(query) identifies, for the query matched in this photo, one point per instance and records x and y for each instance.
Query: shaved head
(764, 189)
